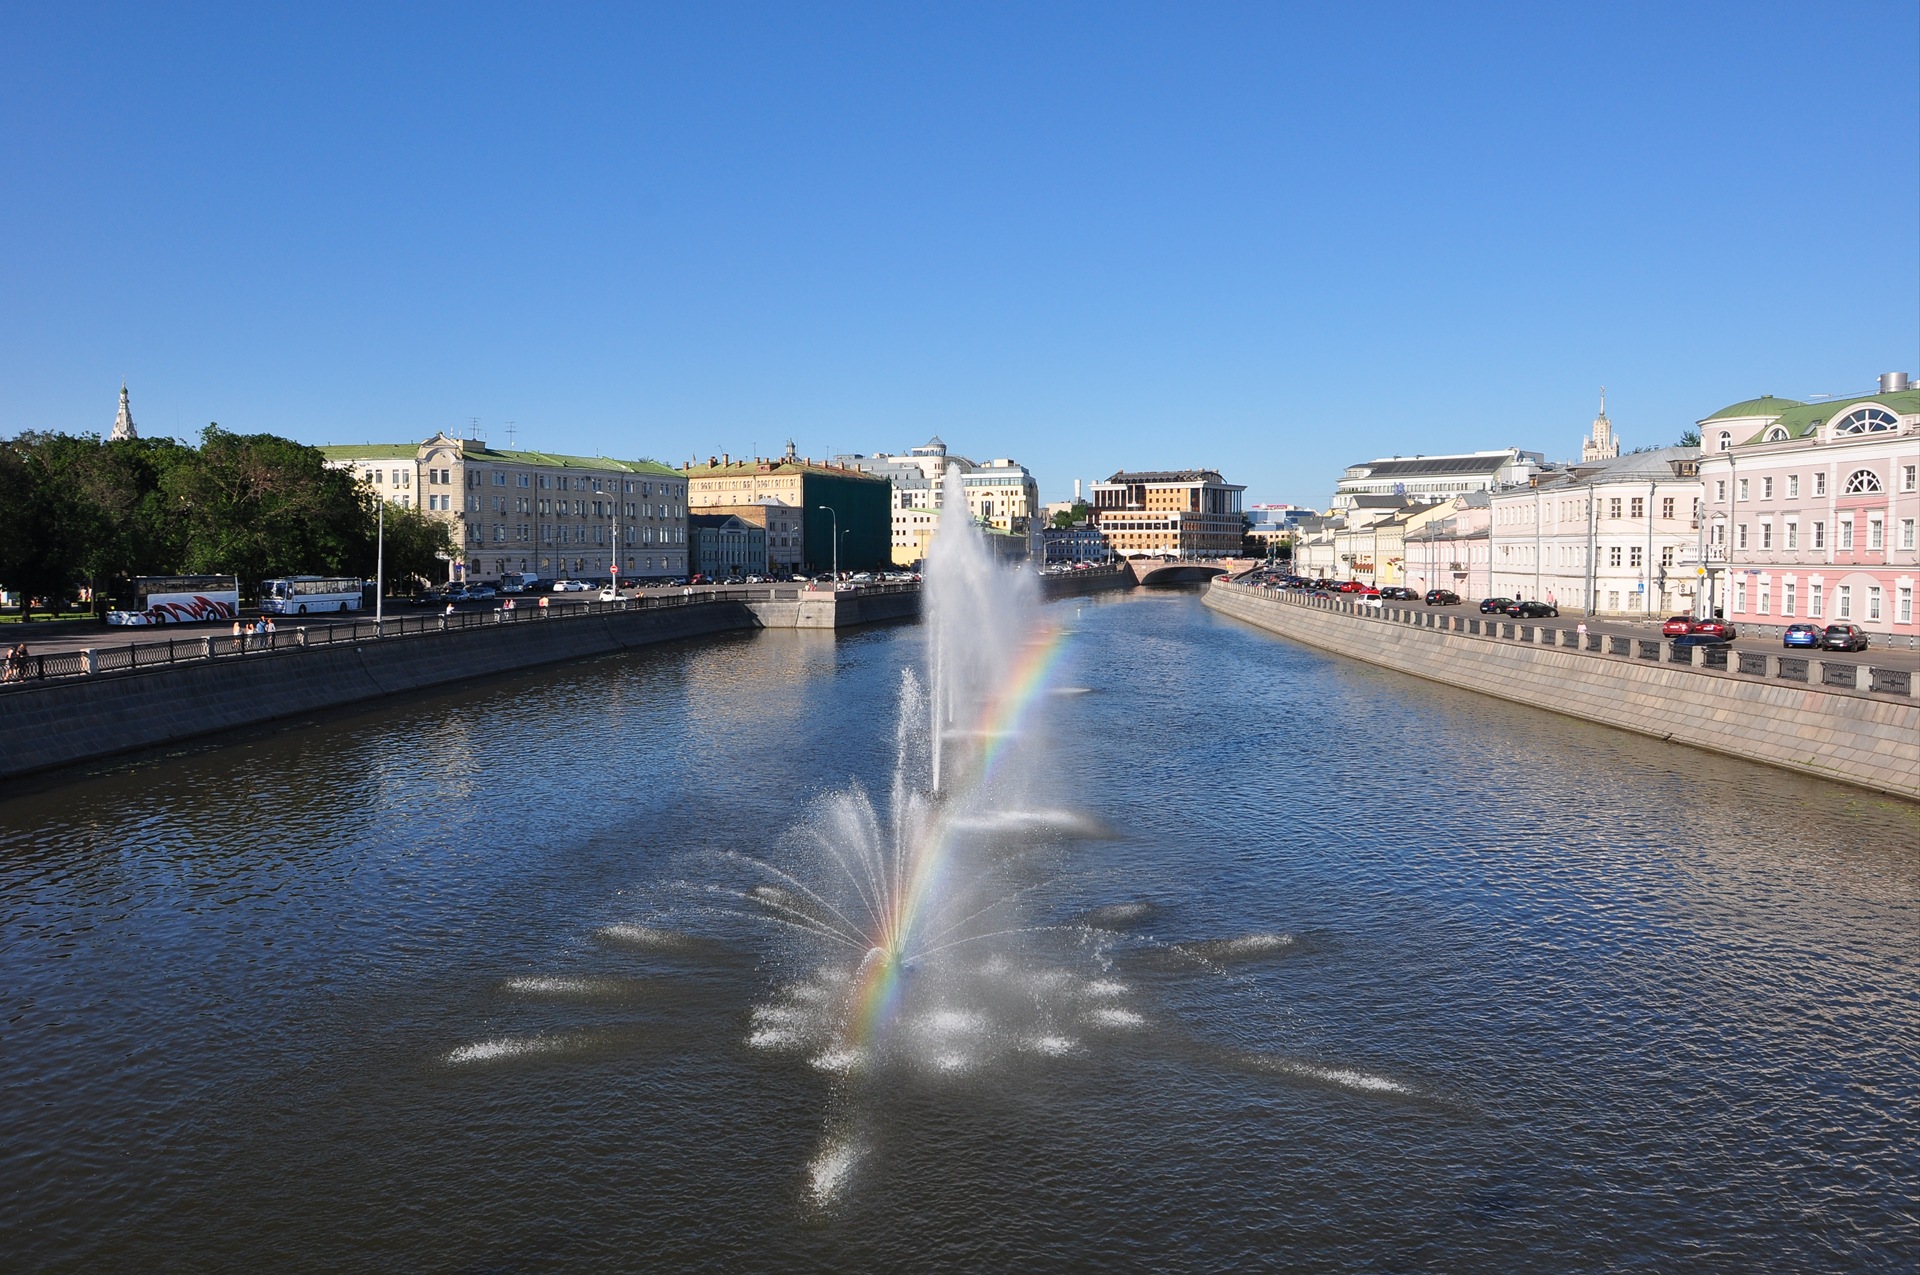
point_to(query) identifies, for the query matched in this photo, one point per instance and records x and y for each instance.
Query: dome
(1765, 405)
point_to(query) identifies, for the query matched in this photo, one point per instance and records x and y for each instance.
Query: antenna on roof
(510, 433)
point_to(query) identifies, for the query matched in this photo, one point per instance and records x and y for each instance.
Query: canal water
(1374, 975)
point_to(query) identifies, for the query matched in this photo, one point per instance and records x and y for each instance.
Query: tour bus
(297, 595)
(175, 600)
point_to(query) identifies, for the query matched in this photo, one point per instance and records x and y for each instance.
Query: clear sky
(1267, 238)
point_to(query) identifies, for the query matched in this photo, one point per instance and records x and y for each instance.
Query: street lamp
(380, 568)
(836, 543)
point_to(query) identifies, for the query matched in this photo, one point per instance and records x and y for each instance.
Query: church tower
(123, 423)
(1600, 444)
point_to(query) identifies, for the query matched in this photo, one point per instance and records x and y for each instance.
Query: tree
(414, 545)
(1067, 517)
(1689, 438)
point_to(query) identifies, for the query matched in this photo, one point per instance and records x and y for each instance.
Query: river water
(1396, 978)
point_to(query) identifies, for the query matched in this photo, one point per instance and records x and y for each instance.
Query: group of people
(261, 628)
(16, 666)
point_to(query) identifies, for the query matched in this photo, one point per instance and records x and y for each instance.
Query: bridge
(1185, 570)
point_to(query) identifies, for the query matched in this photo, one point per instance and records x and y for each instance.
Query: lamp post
(380, 568)
(836, 543)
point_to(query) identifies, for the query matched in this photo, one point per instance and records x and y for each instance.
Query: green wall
(865, 509)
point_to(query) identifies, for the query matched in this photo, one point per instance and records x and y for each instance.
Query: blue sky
(1269, 239)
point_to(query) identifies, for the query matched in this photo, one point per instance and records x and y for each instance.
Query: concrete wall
(1077, 583)
(1868, 741)
(56, 723)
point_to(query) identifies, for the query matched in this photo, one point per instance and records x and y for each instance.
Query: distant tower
(1600, 444)
(123, 423)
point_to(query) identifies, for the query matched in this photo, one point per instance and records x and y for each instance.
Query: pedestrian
(449, 608)
(1581, 629)
(239, 638)
(543, 602)
(16, 663)
(267, 625)
(507, 605)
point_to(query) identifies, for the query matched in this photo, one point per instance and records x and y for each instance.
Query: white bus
(175, 600)
(297, 595)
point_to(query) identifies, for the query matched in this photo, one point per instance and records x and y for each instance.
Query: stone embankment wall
(1849, 734)
(45, 725)
(1075, 583)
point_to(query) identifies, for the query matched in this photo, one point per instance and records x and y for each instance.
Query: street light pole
(380, 567)
(836, 543)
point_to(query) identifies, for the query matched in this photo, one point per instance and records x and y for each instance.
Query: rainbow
(1006, 713)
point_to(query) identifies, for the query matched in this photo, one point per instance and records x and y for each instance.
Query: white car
(571, 586)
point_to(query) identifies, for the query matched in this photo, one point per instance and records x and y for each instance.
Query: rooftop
(1171, 476)
(1445, 466)
(480, 453)
(1803, 419)
(715, 467)
(1765, 405)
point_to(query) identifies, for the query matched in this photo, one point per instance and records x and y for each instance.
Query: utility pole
(836, 543)
(380, 567)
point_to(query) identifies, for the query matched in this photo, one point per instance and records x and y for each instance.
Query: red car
(1718, 630)
(1677, 626)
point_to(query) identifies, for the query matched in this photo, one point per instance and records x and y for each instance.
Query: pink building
(1456, 552)
(1812, 510)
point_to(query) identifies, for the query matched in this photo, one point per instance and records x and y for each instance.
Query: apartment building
(1001, 495)
(1188, 513)
(802, 504)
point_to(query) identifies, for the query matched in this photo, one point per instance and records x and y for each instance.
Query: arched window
(1776, 435)
(1866, 420)
(1862, 481)
(1726, 441)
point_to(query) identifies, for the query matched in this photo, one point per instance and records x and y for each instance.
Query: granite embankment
(44, 725)
(1844, 733)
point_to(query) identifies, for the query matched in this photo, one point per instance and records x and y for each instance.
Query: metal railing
(18, 671)
(1711, 657)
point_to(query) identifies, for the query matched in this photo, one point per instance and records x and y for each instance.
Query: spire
(123, 423)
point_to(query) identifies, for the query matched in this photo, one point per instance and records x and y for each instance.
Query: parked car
(1677, 626)
(1442, 598)
(478, 591)
(571, 586)
(1398, 593)
(1713, 630)
(1495, 606)
(1530, 610)
(1803, 635)
(1844, 637)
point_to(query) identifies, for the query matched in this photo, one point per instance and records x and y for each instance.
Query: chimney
(726, 458)
(1076, 491)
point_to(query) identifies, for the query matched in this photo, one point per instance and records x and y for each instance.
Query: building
(1811, 509)
(1435, 478)
(817, 498)
(725, 546)
(1609, 538)
(1001, 495)
(539, 514)
(123, 423)
(1188, 513)
(1454, 551)
(1082, 542)
(1273, 525)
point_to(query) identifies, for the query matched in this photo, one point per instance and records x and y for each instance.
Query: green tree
(1689, 438)
(1067, 517)
(414, 542)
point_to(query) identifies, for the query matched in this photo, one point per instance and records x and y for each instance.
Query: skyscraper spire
(123, 423)
(1600, 444)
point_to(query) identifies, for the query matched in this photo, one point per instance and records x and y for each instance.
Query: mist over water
(1306, 965)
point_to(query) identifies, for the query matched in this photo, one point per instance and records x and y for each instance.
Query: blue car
(1802, 635)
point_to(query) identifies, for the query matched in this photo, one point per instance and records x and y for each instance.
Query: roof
(754, 468)
(474, 450)
(720, 521)
(1171, 476)
(1803, 419)
(1383, 501)
(1765, 405)
(1486, 464)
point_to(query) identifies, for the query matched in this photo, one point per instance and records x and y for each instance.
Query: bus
(175, 600)
(297, 595)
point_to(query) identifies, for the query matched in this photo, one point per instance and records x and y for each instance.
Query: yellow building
(1188, 513)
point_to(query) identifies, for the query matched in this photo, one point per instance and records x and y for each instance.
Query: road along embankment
(1812, 715)
(58, 722)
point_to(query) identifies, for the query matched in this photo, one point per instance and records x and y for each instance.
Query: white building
(1001, 494)
(1434, 478)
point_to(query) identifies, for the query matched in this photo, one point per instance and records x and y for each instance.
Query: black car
(1495, 606)
(1397, 594)
(1531, 610)
(1442, 598)
(1844, 637)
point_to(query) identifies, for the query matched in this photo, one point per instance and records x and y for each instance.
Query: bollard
(206, 648)
(300, 635)
(89, 662)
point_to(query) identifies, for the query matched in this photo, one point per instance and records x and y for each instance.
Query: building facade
(1001, 495)
(1187, 513)
(1454, 551)
(817, 498)
(1813, 510)
(1435, 478)
(726, 546)
(538, 514)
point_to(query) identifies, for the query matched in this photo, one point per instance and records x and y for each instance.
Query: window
(1793, 486)
(1746, 487)
(526, 480)
(1846, 533)
(1739, 595)
(1639, 507)
(1819, 535)
(499, 478)
(1873, 602)
(1613, 507)
(1813, 601)
(1906, 533)
(1633, 556)
(1777, 434)
(1666, 507)
(1726, 440)
(1844, 595)
(1766, 489)
(1719, 533)
(1862, 481)
(1909, 477)
(1786, 598)
(1613, 556)
(1666, 556)
(1793, 534)
(1866, 420)
(1905, 614)
(1766, 600)
(1719, 491)
(1742, 534)
(1876, 532)
(1819, 484)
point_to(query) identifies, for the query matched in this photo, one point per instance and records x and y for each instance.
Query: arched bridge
(1181, 570)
